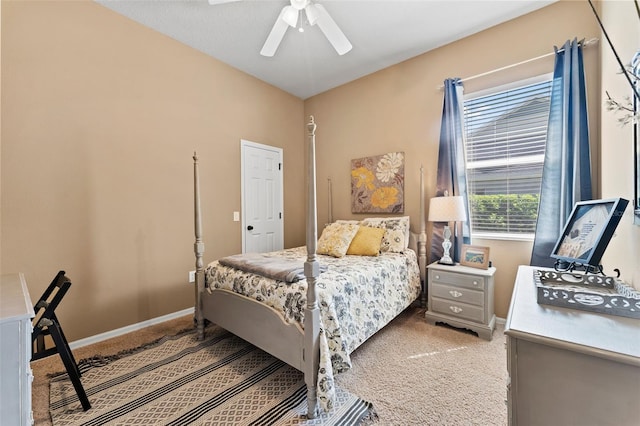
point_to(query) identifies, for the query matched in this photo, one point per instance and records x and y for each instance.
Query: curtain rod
(584, 44)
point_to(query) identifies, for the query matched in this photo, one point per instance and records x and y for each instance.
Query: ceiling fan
(315, 13)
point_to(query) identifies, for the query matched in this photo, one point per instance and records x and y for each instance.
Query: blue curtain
(452, 172)
(566, 174)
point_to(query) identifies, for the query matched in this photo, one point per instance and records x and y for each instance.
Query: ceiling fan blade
(330, 29)
(214, 2)
(276, 34)
(312, 13)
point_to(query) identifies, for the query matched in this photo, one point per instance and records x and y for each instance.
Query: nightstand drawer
(458, 280)
(455, 309)
(458, 294)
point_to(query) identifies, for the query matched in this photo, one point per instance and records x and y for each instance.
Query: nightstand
(462, 297)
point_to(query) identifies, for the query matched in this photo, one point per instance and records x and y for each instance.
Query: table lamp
(447, 209)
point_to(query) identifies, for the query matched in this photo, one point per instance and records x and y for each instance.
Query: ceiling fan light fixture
(316, 14)
(312, 13)
(290, 16)
(217, 2)
(299, 4)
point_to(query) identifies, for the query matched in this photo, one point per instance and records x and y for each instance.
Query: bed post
(330, 201)
(198, 249)
(311, 352)
(422, 243)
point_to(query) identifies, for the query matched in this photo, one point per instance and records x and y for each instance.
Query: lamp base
(446, 246)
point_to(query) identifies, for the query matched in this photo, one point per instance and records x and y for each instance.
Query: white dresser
(462, 297)
(16, 313)
(567, 366)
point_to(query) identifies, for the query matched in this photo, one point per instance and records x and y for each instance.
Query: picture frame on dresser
(588, 230)
(474, 256)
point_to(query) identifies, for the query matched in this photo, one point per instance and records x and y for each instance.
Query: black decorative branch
(624, 71)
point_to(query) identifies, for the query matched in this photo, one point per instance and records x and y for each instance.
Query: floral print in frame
(377, 184)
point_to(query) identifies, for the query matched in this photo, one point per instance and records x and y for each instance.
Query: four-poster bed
(314, 321)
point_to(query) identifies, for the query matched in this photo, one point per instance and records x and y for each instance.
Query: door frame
(247, 143)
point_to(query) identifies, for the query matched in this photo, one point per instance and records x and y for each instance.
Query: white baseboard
(135, 327)
(128, 329)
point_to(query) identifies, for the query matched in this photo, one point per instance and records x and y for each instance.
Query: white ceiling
(383, 33)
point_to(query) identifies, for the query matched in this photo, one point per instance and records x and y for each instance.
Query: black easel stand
(564, 266)
(48, 324)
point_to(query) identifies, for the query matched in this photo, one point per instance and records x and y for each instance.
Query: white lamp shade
(447, 209)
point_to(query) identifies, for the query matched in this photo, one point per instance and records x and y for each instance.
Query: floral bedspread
(357, 296)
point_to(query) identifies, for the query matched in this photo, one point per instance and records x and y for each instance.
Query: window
(506, 131)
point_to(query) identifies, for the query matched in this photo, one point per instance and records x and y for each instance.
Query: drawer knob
(455, 293)
(475, 283)
(437, 277)
(455, 309)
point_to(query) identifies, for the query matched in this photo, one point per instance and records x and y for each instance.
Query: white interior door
(262, 199)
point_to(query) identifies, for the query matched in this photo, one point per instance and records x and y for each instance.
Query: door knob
(249, 228)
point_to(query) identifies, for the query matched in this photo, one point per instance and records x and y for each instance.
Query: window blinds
(505, 141)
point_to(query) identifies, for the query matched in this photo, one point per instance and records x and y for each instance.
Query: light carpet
(178, 380)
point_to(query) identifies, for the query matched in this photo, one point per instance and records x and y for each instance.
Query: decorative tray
(588, 292)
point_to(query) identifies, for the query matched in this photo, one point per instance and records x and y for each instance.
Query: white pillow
(357, 222)
(396, 236)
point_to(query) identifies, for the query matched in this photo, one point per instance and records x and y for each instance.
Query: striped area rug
(178, 380)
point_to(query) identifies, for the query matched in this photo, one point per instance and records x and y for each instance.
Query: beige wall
(399, 108)
(621, 23)
(101, 117)
(0, 137)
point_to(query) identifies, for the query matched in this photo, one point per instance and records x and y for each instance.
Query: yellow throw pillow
(336, 238)
(396, 239)
(366, 242)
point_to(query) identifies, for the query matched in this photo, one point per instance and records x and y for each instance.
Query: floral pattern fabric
(377, 184)
(357, 296)
(396, 236)
(336, 238)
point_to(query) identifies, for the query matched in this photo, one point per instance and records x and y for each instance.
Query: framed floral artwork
(377, 184)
